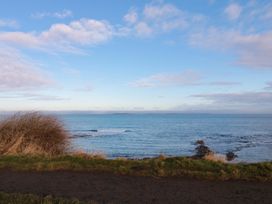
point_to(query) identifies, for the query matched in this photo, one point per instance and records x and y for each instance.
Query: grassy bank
(158, 167)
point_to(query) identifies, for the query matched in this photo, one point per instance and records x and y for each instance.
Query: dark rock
(199, 142)
(128, 131)
(202, 151)
(230, 156)
(94, 130)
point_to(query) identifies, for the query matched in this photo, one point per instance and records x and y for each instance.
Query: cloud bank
(252, 50)
(17, 73)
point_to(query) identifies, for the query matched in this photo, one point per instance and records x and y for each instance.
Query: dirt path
(106, 188)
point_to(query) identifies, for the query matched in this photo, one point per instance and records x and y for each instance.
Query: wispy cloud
(42, 97)
(165, 17)
(62, 37)
(131, 17)
(224, 83)
(243, 102)
(184, 78)
(143, 29)
(19, 73)
(8, 23)
(261, 11)
(268, 85)
(249, 39)
(33, 97)
(253, 50)
(159, 12)
(155, 18)
(85, 88)
(233, 11)
(71, 71)
(246, 98)
(59, 14)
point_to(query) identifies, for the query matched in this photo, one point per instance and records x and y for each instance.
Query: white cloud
(173, 24)
(164, 17)
(184, 78)
(59, 14)
(8, 23)
(131, 17)
(268, 85)
(21, 38)
(233, 11)
(161, 11)
(84, 32)
(156, 18)
(143, 29)
(72, 37)
(17, 73)
(63, 37)
(253, 50)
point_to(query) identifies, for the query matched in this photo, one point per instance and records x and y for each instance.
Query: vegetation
(32, 133)
(158, 167)
(17, 198)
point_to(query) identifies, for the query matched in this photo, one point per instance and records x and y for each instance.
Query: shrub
(32, 133)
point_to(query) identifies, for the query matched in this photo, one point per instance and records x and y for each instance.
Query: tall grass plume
(32, 133)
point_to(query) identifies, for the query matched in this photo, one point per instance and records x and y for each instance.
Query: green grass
(17, 198)
(158, 167)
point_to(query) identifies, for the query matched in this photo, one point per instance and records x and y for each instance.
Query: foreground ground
(157, 180)
(111, 188)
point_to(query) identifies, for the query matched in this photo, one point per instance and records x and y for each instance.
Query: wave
(98, 132)
(237, 143)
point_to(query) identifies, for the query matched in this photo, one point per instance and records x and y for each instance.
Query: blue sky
(100, 55)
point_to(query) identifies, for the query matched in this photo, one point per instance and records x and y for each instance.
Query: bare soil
(110, 188)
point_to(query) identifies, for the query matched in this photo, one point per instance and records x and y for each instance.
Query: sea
(145, 135)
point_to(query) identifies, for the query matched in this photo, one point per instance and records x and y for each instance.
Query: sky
(208, 56)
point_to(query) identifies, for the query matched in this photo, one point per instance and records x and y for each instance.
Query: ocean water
(149, 135)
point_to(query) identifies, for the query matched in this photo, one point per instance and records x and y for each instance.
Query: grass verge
(158, 167)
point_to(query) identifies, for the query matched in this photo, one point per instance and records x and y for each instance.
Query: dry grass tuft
(215, 157)
(32, 133)
(84, 155)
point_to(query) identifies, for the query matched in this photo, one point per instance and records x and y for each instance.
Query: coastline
(157, 167)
